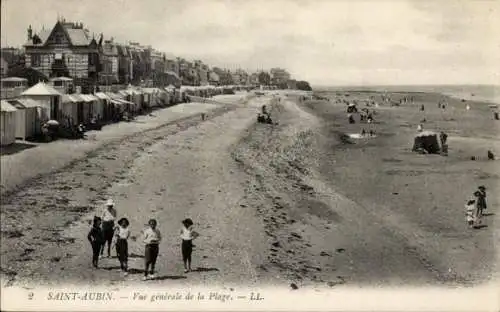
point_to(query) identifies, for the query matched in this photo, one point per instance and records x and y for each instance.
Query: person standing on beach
(108, 225)
(152, 238)
(481, 199)
(470, 209)
(122, 233)
(187, 236)
(96, 239)
(480, 196)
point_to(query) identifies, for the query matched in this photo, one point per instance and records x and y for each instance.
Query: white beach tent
(7, 123)
(70, 108)
(49, 98)
(104, 101)
(27, 122)
(93, 105)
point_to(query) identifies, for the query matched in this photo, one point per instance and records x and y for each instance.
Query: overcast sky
(326, 42)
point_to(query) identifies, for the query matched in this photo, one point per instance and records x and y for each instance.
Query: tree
(264, 78)
(304, 86)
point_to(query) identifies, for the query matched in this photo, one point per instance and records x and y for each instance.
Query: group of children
(475, 207)
(103, 232)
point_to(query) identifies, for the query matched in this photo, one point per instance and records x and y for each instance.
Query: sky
(326, 42)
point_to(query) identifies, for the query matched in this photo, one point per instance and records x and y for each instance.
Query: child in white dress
(470, 209)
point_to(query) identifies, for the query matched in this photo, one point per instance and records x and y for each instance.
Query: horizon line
(403, 85)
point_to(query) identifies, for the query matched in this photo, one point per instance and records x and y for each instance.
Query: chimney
(30, 33)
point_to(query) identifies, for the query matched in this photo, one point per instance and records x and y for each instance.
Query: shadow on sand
(206, 270)
(478, 227)
(111, 268)
(15, 148)
(169, 277)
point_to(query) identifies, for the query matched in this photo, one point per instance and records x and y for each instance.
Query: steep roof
(110, 49)
(41, 89)
(169, 72)
(6, 106)
(29, 102)
(78, 37)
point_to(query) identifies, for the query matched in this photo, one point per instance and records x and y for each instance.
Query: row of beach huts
(23, 116)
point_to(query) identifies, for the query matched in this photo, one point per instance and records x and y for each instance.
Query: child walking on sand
(122, 234)
(470, 209)
(187, 236)
(152, 238)
(96, 239)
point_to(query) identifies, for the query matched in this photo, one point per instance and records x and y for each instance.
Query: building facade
(240, 77)
(125, 64)
(65, 50)
(4, 67)
(109, 63)
(279, 76)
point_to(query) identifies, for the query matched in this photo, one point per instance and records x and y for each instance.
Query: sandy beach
(293, 202)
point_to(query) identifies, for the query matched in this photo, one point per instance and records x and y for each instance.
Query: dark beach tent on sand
(351, 108)
(427, 142)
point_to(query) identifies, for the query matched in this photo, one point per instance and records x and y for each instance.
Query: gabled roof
(69, 98)
(41, 89)
(110, 49)
(24, 103)
(171, 73)
(102, 96)
(122, 50)
(6, 106)
(78, 37)
(88, 97)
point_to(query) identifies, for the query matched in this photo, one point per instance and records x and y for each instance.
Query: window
(59, 38)
(92, 60)
(36, 60)
(58, 83)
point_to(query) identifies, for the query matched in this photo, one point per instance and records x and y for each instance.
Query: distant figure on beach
(470, 209)
(152, 238)
(96, 239)
(187, 236)
(467, 107)
(108, 225)
(420, 128)
(363, 132)
(369, 118)
(351, 119)
(443, 137)
(422, 108)
(481, 199)
(491, 156)
(122, 233)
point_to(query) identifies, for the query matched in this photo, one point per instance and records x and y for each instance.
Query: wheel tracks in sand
(33, 217)
(274, 188)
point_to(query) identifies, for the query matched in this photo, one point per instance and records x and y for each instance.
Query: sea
(483, 93)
